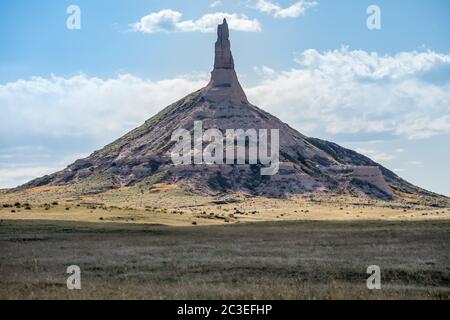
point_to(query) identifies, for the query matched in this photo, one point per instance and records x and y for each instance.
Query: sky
(65, 92)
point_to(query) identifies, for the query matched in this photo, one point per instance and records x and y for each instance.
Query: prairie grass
(262, 260)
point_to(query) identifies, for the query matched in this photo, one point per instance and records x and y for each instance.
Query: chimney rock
(224, 84)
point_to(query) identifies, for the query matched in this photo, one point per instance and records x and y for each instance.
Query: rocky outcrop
(308, 165)
(224, 84)
(223, 59)
(372, 176)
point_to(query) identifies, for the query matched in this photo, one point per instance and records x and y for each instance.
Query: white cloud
(337, 91)
(415, 163)
(87, 106)
(13, 176)
(375, 155)
(22, 163)
(370, 65)
(170, 21)
(295, 10)
(264, 71)
(215, 4)
(352, 92)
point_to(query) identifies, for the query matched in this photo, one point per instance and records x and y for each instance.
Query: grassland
(265, 260)
(167, 205)
(167, 244)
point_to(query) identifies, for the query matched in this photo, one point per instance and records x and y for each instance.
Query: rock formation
(308, 165)
(224, 84)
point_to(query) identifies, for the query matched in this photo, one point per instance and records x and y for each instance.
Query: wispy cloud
(13, 176)
(215, 4)
(170, 21)
(375, 155)
(264, 71)
(295, 10)
(23, 163)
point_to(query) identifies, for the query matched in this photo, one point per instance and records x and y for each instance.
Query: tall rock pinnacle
(224, 84)
(223, 58)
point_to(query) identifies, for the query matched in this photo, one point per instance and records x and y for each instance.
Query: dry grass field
(167, 244)
(175, 207)
(264, 260)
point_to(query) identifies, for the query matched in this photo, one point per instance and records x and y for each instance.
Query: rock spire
(223, 58)
(224, 84)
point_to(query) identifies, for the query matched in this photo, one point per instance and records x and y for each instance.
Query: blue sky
(36, 42)
(314, 64)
